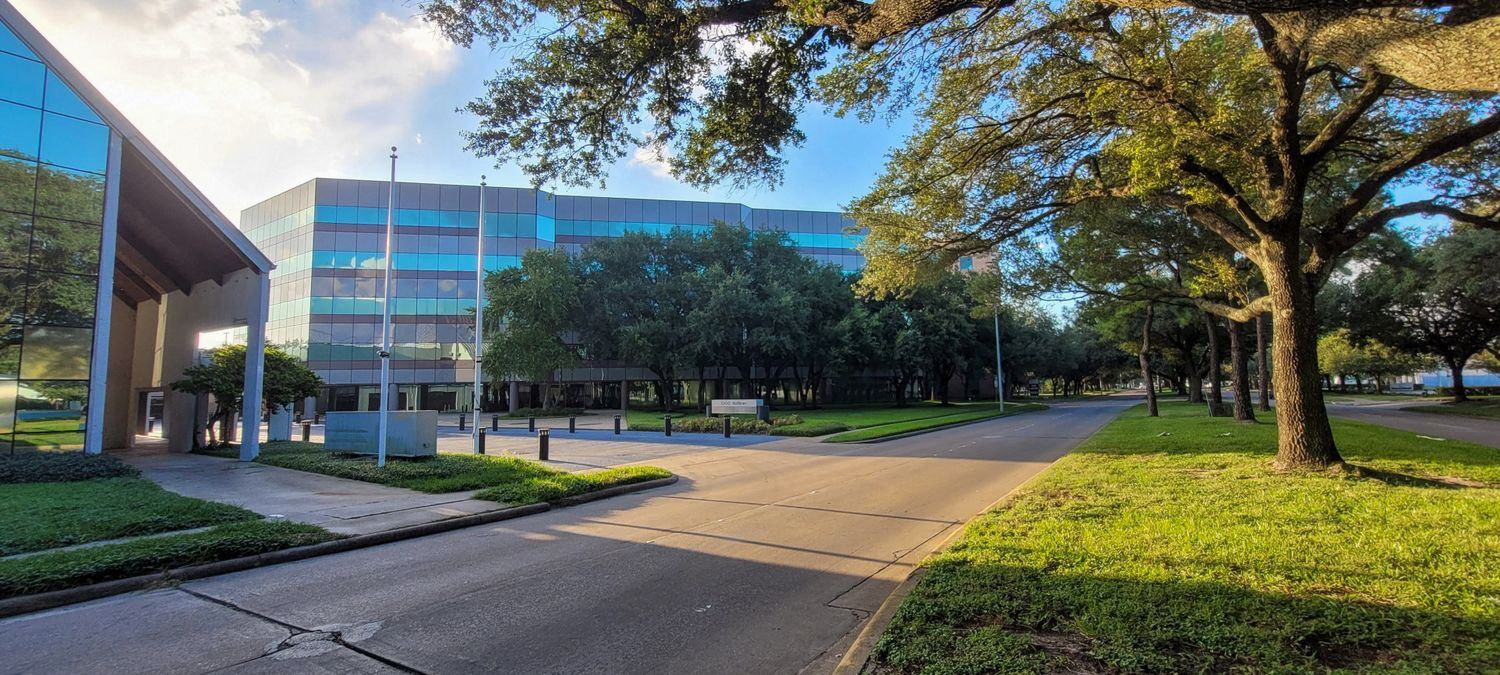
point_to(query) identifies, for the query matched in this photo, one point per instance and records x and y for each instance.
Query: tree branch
(1231, 196)
(1337, 129)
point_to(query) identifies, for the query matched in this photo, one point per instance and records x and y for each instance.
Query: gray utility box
(410, 433)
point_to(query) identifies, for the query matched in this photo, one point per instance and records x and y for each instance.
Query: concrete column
(515, 395)
(255, 366)
(93, 435)
(309, 407)
(280, 426)
(624, 394)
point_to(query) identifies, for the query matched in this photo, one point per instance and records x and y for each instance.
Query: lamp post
(999, 372)
(385, 330)
(479, 320)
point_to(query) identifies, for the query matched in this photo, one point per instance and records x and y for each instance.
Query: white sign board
(735, 406)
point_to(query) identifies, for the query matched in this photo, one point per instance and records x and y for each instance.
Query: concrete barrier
(411, 433)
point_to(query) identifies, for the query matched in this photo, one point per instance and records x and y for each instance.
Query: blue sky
(251, 97)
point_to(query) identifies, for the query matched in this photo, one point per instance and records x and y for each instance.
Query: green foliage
(50, 467)
(285, 380)
(545, 412)
(64, 569)
(1339, 354)
(528, 309)
(1442, 298)
(39, 516)
(559, 485)
(1145, 552)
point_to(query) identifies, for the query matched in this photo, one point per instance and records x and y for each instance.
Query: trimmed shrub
(543, 412)
(59, 467)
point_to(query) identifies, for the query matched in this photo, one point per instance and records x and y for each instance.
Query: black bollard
(541, 440)
(726, 426)
(617, 425)
(666, 424)
(460, 421)
(494, 422)
(317, 418)
(531, 423)
(481, 441)
(306, 430)
(572, 424)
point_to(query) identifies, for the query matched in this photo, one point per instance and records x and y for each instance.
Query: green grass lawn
(64, 569)
(505, 479)
(896, 428)
(39, 516)
(830, 419)
(1143, 552)
(1474, 407)
(1336, 397)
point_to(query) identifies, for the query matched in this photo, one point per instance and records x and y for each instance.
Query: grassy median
(832, 419)
(1170, 545)
(1486, 408)
(499, 478)
(906, 427)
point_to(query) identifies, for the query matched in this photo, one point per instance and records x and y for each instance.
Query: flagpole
(478, 317)
(385, 330)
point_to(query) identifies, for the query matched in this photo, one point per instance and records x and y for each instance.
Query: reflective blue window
(62, 99)
(20, 130)
(74, 143)
(10, 43)
(21, 80)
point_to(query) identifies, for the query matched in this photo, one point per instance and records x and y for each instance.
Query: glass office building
(327, 239)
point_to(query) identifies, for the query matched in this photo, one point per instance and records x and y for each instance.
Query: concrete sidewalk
(336, 504)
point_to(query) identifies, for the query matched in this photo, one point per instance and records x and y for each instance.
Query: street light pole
(999, 371)
(479, 321)
(385, 330)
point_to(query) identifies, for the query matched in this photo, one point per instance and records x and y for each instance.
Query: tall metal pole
(385, 330)
(479, 320)
(999, 371)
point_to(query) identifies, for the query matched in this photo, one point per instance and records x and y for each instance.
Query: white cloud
(246, 104)
(654, 158)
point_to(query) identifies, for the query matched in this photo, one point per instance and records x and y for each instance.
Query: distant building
(327, 238)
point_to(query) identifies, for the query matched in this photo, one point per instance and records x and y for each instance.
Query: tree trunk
(1304, 436)
(1146, 363)
(1215, 368)
(1457, 367)
(1239, 358)
(1195, 384)
(1264, 364)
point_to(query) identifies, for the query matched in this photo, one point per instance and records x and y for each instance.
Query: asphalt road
(763, 559)
(1471, 429)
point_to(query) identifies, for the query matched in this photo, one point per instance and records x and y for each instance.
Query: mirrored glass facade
(54, 153)
(327, 238)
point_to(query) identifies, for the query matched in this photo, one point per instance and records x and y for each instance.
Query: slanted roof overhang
(170, 237)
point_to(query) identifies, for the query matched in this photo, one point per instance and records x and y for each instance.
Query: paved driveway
(1471, 429)
(763, 559)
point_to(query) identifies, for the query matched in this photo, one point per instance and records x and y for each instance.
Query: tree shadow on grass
(983, 617)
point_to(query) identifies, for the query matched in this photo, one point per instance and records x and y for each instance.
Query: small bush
(545, 412)
(59, 467)
(708, 425)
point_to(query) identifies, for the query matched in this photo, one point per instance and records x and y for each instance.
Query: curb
(858, 656)
(928, 430)
(52, 599)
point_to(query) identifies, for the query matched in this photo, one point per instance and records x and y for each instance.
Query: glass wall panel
(61, 99)
(10, 352)
(15, 239)
(21, 80)
(17, 184)
(12, 295)
(65, 246)
(20, 130)
(74, 143)
(61, 300)
(71, 195)
(56, 352)
(49, 415)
